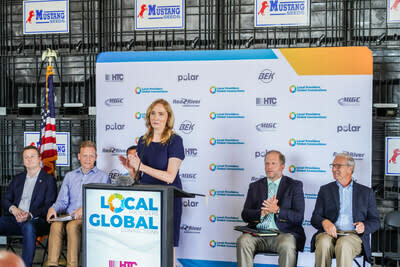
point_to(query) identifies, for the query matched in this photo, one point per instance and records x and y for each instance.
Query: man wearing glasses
(345, 215)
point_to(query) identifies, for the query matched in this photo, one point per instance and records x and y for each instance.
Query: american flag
(48, 146)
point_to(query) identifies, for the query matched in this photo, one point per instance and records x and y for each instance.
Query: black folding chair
(391, 251)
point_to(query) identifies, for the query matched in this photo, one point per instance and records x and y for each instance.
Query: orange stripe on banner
(330, 60)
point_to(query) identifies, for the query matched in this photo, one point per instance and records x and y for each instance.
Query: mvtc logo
(292, 89)
(138, 90)
(213, 141)
(212, 167)
(264, 6)
(266, 76)
(212, 218)
(143, 8)
(117, 77)
(213, 115)
(114, 102)
(212, 192)
(213, 89)
(292, 115)
(292, 142)
(292, 169)
(213, 244)
(186, 127)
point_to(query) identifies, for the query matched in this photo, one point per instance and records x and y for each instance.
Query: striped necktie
(267, 222)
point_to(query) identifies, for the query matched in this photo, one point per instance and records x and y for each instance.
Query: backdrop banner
(231, 107)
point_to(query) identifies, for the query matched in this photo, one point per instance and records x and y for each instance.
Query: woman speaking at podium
(159, 155)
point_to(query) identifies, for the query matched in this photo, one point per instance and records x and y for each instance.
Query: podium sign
(123, 226)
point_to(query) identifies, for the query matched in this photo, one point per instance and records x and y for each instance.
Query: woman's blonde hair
(166, 135)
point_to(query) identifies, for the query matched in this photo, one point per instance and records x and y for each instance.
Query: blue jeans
(29, 231)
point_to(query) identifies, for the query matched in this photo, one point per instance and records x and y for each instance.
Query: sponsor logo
(306, 223)
(307, 116)
(137, 140)
(355, 155)
(222, 244)
(306, 89)
(254, 178)
(114, 102)
(227, 90)
(186, 102)
(305, 169)
(188, 177)
(41, 16)
(224, 167)
(214, 115)
(114, 174)
(115, 127)
(348, 128)
(186, 127)
(266, 76)
(140, 115)
(160, 12)
(112, 263)
(189, 77)
(266, 101)
(224, 193)
(305, 142)
(349, 101)
(260, 154)
(113, 150)
(225, 141)
(190, 229)
(116, 77)
(149, 90)
(190, 203)
(310, 196)
(266, 126)
(191, 152)
(213, 218)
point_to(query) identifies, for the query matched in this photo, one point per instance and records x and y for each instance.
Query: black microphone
(138, 174)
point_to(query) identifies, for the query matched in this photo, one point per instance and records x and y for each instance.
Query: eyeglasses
(337, 166)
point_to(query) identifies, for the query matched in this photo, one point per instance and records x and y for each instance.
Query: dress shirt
(26, 197)
(345, 219)
(263, 221)
(70, 196)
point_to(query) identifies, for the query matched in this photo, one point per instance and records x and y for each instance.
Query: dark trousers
(29, 231)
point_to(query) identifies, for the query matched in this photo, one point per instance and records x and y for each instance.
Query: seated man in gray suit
(273, 203)
(345, 215)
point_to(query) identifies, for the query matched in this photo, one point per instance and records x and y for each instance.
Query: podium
(129, 226)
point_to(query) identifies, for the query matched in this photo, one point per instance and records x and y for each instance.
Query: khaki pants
(345, 249)
(283, 244)
(74, 235)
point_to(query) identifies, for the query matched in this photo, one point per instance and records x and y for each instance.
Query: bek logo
(186, 102)
(189, 77)
(186, 127)
(139, 115)
(212, 167)
(113, 263)
(292, 115)
(114, 127)
(116, 77)
(292, 89)
(266, 126)
(292, 169)
(213, 141)
(349, 101)
(266, 76)
(212, 192)
(348, 128)
(266, 101)
(117, 203)
(213, 115)
(114, 102)
(213, 244)
(114, 174)
(212, 218)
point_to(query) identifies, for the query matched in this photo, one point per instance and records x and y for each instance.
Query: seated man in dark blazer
(345, 215)
(28, 197)
(273, 203)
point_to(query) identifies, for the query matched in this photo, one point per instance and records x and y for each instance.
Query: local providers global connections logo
(213, 243)
(292, 89)
(213, 141)
(292, 142)
(212, 192)
(213, 115)
(292, 115)
(212, 218)
(213, 89)
(292, 169)
(212, 167)
(139, 115)
(138, 90)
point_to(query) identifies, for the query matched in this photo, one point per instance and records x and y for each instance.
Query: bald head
(10, 259)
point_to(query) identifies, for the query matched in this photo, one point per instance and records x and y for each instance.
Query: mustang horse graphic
(143, 8)
(31, 15)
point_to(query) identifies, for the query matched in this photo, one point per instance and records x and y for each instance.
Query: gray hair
(350, 160)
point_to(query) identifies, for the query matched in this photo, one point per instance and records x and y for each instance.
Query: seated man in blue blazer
(28, 197)
(345, 215)
(273, 203)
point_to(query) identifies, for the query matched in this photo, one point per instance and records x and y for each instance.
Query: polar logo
(115, 127)
(188, 77)
(190, 204)
(349, 101)
(266, 76)
(348, 128)
(114, 102)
